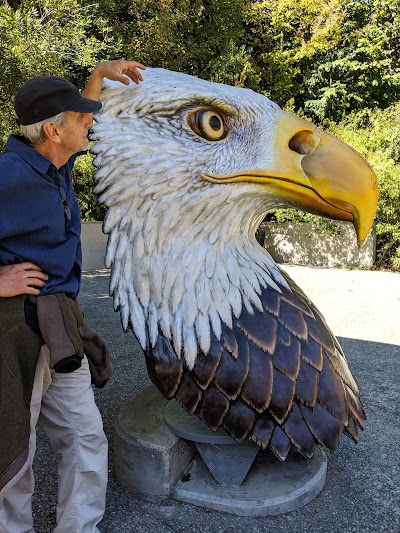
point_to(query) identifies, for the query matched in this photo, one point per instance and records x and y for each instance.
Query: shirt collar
(18, 145)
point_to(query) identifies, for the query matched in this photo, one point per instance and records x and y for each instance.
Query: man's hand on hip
(22, 278)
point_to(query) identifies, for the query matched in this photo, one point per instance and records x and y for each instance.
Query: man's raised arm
(118, 70)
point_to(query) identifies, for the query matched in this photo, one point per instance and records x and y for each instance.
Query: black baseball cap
(43, 97)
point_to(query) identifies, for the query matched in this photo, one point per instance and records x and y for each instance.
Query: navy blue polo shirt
(38, 222)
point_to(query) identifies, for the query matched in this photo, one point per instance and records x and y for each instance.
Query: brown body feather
(278, 377)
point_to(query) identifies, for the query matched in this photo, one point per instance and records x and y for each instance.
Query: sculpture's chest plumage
(278, 377)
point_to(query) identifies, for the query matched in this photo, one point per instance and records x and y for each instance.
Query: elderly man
(40, 269)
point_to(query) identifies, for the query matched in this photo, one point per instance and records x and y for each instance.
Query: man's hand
(117, 70)
(23, 278)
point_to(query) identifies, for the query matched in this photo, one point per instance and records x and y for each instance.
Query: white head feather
(182, 250)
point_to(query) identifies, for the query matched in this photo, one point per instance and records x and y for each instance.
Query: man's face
(74, 132)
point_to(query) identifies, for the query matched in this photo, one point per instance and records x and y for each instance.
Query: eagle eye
(208, 124)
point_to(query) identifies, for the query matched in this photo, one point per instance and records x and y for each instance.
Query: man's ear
(51, 132)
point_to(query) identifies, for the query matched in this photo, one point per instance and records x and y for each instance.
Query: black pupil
(215, 123)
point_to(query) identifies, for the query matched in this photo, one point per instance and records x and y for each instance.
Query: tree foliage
(322, 58)
(45, 37)
(199, 37)
(327, 57)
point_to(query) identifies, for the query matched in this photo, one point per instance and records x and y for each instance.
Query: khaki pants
(64, 406)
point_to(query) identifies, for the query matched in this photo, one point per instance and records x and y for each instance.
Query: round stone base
(270, 488)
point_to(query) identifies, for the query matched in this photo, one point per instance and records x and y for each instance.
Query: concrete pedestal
(227, 460)
(148, 458)
(150, 461)
(239, 478)
(270, 488)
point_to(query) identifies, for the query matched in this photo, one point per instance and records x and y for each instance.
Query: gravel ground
(362, 490)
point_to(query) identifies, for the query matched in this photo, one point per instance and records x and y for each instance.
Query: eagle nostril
(304, 142)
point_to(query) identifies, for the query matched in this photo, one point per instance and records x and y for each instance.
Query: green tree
(364, 71)
(199, 37)
(326, 57)
(286, 38)
(46, 37)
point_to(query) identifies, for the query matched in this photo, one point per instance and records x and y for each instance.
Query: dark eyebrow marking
(214, 103)
(170, 108)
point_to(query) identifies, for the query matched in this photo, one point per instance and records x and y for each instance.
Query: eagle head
(188, 169)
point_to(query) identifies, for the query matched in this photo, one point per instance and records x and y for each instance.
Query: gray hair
(34, 132)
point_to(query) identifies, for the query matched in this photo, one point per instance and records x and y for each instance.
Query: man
(40, 268)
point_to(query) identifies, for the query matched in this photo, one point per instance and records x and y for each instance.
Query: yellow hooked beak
(316, 172)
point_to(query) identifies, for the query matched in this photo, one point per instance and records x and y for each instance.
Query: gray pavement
(362, 491)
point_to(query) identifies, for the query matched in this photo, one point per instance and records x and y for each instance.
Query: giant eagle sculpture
(188, 170)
